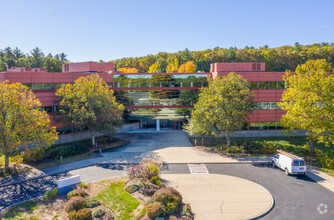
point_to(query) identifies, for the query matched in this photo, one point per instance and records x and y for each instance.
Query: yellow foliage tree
(21, 121)
(155, 67)
(188, 67)
(308, 101)
(174, 65)
(90, 103)
(128, 70)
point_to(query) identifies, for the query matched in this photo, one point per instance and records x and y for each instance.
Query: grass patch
(118, 200)
(328, 171)
(15, 213)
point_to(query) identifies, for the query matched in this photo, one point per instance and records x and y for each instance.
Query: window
(295, 163)
(302, 163)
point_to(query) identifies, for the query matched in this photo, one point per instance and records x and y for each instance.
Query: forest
(277, 59)
(35, 59)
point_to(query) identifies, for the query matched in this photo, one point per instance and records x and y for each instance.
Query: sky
(90, 30)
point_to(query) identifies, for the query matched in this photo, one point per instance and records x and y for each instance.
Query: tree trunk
(310, 146)
(202, 140)
(228, 139)
(6, 163)
(93, 140)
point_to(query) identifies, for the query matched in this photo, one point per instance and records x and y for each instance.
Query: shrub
(65, 150)
(155, 210)
(75, 203)
(91, 202)
(150, 201)
(72, 194)
(151, 168)
(98, 213)
(135, 171)
(51, 194)
(84, 185)
(233, 149)
(155, 180)
(82, 214)
(162, 185)
(186, 210)
(132, 188)
(33, 154)
(169, 197)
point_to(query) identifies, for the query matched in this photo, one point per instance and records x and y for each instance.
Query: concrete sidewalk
(214, 196)
(320, 177)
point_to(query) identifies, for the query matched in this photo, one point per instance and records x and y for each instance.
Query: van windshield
(296, 163)
(302, 163)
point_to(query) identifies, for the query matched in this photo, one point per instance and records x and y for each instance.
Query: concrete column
(158, 124)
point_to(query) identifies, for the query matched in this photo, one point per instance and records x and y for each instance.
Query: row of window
(267, 85)
(265, 105)
(263, 126)
(147, 84)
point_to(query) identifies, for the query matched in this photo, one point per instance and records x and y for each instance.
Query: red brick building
(152, 99)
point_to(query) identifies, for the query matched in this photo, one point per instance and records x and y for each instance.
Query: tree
(308, 101)
(225, 104)
(171, 67)
(21, 121)
(90, 103)
(188, 67)
(128, 70)
(198, 125)
(155, 67)
(52, 64)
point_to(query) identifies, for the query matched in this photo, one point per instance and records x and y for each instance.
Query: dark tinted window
(296, 163)
(302, 163)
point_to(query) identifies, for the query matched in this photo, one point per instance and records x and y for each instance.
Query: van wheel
(287, 171)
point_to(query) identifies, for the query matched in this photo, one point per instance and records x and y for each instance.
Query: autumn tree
(172, 66)
(90, 103)
(155, 67)
(128, 70)
(22, 123)
(308, 101)
(188, 67)
(224, 104)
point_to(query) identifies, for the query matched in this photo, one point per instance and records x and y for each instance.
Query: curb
(19, 203)
(268, 210)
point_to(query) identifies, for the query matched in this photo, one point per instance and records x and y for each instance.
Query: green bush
(155, 180)
(151, 168)
(324, 159)
(91, 202)
(74, 193)
(169, 197)
(155, 209)
(82, 214)
(51, 194)
(233, 149)
(64, 150)
(186, 210)
(84, 185)
(75, 203)
(132, 188)
(98, 213)
(32, 155)
(150, 201)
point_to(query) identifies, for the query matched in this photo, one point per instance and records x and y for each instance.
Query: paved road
(294, 196)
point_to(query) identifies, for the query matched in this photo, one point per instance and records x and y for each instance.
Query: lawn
(118, 200)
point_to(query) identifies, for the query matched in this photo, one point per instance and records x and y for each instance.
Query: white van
(290, 163)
